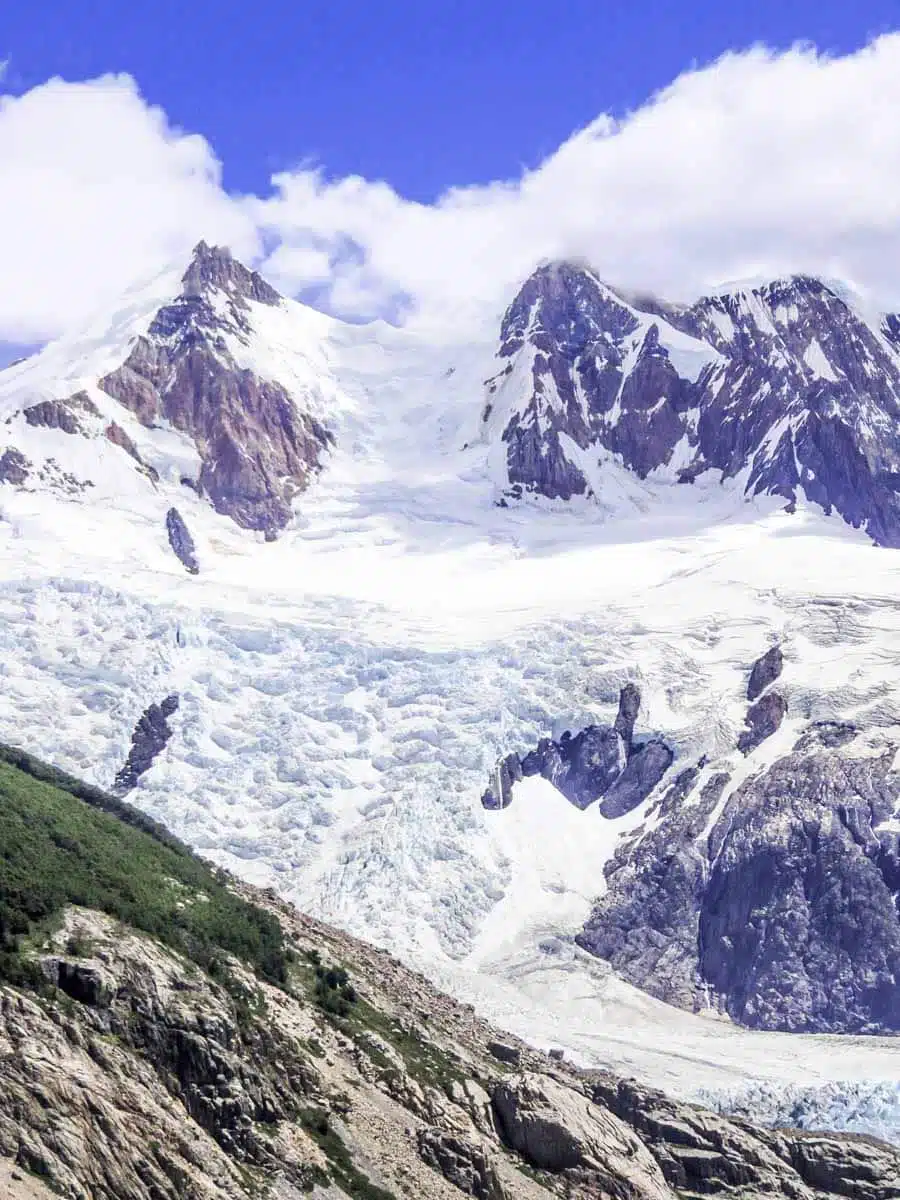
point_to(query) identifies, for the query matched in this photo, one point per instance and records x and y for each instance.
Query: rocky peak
(214, 268)
(564, 306)
(785, 387)
(258, 448)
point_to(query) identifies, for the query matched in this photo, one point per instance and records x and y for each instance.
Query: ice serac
(257, 448)
(787, 388)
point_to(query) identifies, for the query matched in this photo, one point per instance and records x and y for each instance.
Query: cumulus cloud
(760, 163)
(97, 190)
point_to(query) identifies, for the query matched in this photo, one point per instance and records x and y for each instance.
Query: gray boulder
(557, 1129)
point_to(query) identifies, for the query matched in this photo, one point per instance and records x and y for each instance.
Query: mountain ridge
(781, 387)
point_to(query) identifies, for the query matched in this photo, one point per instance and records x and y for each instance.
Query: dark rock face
(777, 904)
(583, 766)
(643, 771)
(765, 670)
(799, 929)
(181, 541)
(461, 1161)
(786, 381)
(83, 982)
(507, 772)
(14, 467)
(258, 450)
(53, 414)
(149, 739)
(629, 707)
(763, 719)
(647, 923)
(600, 760)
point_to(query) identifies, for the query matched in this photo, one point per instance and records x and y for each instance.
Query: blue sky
(670, 144)
(422, 93)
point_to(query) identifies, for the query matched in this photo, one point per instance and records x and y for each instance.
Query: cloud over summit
(759, 163)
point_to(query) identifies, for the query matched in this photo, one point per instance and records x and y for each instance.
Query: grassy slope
(63, 842)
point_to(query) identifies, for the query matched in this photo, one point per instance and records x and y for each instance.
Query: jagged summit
(214, 267)
(206, 365)
(785, 388)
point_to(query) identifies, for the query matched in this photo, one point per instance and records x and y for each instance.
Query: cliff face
(761, 884)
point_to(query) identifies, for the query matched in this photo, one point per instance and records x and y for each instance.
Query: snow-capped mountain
(186, 403)
(785, 389)
(256, 571)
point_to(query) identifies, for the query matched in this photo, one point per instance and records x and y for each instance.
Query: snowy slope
(346, 690)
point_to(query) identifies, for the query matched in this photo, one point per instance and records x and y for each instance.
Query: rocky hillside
(221, 1045)
(786, 388)
(763, 882)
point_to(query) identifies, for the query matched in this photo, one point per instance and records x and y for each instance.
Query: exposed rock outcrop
(53, 414)
(14, 467)
(257, 447)
(700, 1153)
(776, 902)
(583, 767)
(164, 1083)
(557, 1129)
(462, 1161)
(765, 671)
(149, 739)
(763, 719)
(181, 541)
(598, 761)
(645, 768)
(629, 707)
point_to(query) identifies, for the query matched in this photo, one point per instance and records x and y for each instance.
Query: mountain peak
(214, 268)
(786, 386)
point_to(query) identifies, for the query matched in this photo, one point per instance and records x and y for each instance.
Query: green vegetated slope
(64, 842)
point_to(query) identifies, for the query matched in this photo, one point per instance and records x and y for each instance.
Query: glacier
(347, 689)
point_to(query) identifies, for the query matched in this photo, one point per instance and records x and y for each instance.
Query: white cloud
(760, 163)
(96, 191)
